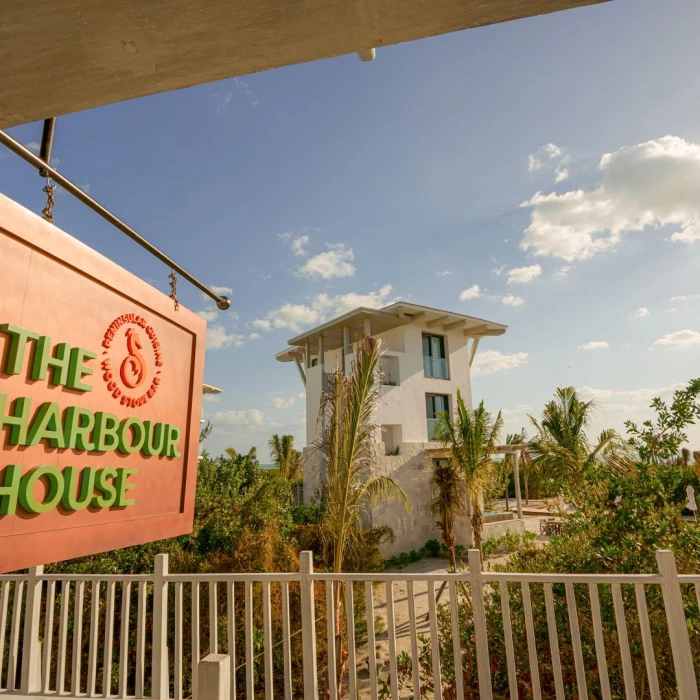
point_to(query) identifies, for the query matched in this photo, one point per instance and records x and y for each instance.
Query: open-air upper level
(427, 355)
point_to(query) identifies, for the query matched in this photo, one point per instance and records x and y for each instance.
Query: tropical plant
(285, 457)
(561, 449)
(471, 440)
(351, 483)
(448, 503)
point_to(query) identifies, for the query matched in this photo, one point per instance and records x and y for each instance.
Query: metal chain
(173, 289)
(47, 212)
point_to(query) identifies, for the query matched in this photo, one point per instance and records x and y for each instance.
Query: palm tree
(471, 440)
(351, 484)
(285, 457)
(561, 446)
(449, 503)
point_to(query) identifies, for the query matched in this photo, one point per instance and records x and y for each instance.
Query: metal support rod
(16, 147)
(47, 144)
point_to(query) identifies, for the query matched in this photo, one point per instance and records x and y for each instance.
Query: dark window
(434, 405)
(434, 357)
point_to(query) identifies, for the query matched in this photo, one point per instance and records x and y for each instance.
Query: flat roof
(62, 57)
(382, 320)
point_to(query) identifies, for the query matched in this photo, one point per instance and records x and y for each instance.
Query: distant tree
(285, 457)
(471, 439)
(449, 503)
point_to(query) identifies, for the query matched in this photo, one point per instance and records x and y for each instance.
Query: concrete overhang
(62, 57)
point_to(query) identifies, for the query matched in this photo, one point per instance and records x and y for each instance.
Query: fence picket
(599, 642)
(330, 632)
(78, 637)
(13, 655)
(140, 640)
(371, 641)
(48, 637)
(508, 637)
(554, 642)
(124, 639)
(3, 622)
(531, 645)
(434, 642)
(267, 639)
(213, 619)
(576, 641)
(647, 643)
(415, 668)
(177, 666)
(231, 632)
(94, 630)
(62, 638)
(621, 624)
(249, 631)
(286, 643)
(391, 636)
(456, 641)
(194, 623)
(350, 623)
(109, 641)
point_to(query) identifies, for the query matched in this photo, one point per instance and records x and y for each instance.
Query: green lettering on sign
(109, 492)
(53, 493)
(20, 338)
(9, 491)
(18, 419)
(47, 426)
(106, 427)
(70, 500)
(78, 424)
(123, 486)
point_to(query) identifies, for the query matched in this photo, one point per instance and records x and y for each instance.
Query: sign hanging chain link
(49, 189)
(173, 289)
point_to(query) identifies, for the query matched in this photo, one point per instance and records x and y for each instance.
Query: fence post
(30, 681)
(214, 678)
(677, 630)
(308, 626)
(160, 680)
(480, 637)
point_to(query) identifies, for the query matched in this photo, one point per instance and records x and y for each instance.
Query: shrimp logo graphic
(133, 369)
(132, 378)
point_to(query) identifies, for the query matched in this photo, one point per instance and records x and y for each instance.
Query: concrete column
(307, 356)
(346, 347)
(516, 476)
(321, 352)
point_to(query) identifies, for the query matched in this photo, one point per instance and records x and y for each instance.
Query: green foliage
(660, 439)
(507, 543)
(285, 457)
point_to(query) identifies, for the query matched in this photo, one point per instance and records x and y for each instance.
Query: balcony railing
(436, 367)
(432, 424)
(508, 634)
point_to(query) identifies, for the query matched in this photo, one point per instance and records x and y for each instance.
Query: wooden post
(308, 626)
(480, 637)
(161, 674)
(516, 476)
(368, 329)
(30, 681)
(214, 678)
(677, 629)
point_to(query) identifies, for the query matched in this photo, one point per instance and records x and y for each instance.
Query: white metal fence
(402, 636)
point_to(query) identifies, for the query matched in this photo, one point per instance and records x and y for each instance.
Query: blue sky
(309, 188)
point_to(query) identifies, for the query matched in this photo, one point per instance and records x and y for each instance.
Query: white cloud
(561, 174)
(285, 236)
(672, 310)
(594, 345)
(444, 273)
(641, 312)
(34, 146)
(650, 184)
(498, 271)
(510, 300)
(553, 151)
(562, 272)
(221, 291)
(335, 262)
(685, 297)
(282, 403)
(533, 163)
(472, 293)
(588, 393)
(295, 317)
(211, 398)
(209, 315)
(218, 337)
(491, 361)
(254, 336)
(524, 275)
(299, 246)
(679, 339)
(250, 417)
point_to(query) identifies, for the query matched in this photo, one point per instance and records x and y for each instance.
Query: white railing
(399, 635)
(436, 367)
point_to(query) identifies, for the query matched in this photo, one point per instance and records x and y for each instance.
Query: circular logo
(132, 360)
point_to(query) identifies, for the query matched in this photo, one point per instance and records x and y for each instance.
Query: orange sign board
(100, 400)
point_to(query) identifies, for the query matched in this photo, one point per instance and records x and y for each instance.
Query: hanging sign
(100, 400)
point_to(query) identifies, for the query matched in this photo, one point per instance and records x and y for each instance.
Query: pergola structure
(64, 57)
(516, 451)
